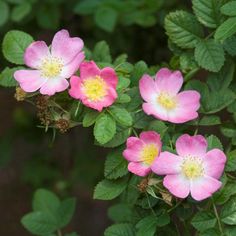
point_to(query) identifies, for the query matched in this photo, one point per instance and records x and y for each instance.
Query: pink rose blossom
(51, 66)
(194, 170)
(95, 88)
(142, 152)
(163, 99)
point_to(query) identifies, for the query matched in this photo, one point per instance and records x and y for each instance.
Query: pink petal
(139, 168)
(75, 90)
(168, 81)
(155, 110)
(35, 53)
(177, 185)
(29, 80)
(181, 115)
(189, 100)
(109, 75)
(65, 47)
(134, 147)
(191, 145)
(54, 85)
(204, 187)
(151, 137)
(69, 69)
(147, 88)
(214, 163)
(89, 69)
(167, 164)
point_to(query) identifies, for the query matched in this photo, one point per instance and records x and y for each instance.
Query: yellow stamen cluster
(149, 153)
(166, 101)
(192, 167)
(51, 67)
(95, 88)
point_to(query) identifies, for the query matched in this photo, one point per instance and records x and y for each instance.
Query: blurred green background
(71, 165)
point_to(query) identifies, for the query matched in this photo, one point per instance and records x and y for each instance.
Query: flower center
(51, 67)
(95, 88)
(149, 153)
(166, 101)
(192, 167)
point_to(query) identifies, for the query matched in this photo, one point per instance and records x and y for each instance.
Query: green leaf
(229, 9)
(183, 29)
(86, 7)
(105, 128)
(121, 115)
(163, 219)
(228, 212)
(209, 55)
(158, 126)
(230, 45)
(210, 120)
(231, 161)
(46, 202)
(20, 11)
(90, 118)
(225, 30)
(4, 13)
(14, 44)
(222, 196)
(214, 142)
(121, 212)
(115, 165)
(203, 220)
(208, 12)
(141, 120)
(119, 138)
(147, 226)
(39, 223)
(66, 211)
(6, 77)
(123, 83)
(123, 98)
(108, 190)
(106, 18)
(140, 68)
(101, 52)
(136, 100)
(120, 230)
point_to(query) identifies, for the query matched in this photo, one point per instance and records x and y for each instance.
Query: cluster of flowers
(192, 171)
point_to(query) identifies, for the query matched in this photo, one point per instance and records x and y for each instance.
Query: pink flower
(142, 152)
(194, 170)
(163, 100)
(95, 88)
(51, 66)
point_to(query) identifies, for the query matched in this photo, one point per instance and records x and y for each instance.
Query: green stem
(149, 204)
(59, 233)
(171, 209)
(135, 133)
(217, 217)
(77, 109)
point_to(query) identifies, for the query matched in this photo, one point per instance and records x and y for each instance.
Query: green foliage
(6, 77)
(214, 142)
(226, 30)
(4, 13)
(49, 213)
(183, 29)
(228, 212)
(121, 115)
(14, 44)
(120, 230)
(209, 55)
(108, 189)
(229, 9)
(147, 226)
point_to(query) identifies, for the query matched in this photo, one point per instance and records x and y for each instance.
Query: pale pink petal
(191, 145)
(181, 115)
(155, 110)
(189, 100)
(168, 81)
(110, 77)
(65, 47)
(214, 163)
(167, 164)
(35, 53)
(204, 187)
(147, 88)
(177, 185)
(134, 147)
(29, 80)
(69, 69)
(139, 168)
(89, 69)
(151, 137)
(54, 85)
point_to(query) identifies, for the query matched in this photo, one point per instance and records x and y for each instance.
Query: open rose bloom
(193, 170)
(163, 99)
(51, 67)
(142, 152)
(95, 88)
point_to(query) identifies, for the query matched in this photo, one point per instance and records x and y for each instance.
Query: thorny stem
(217, 217)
